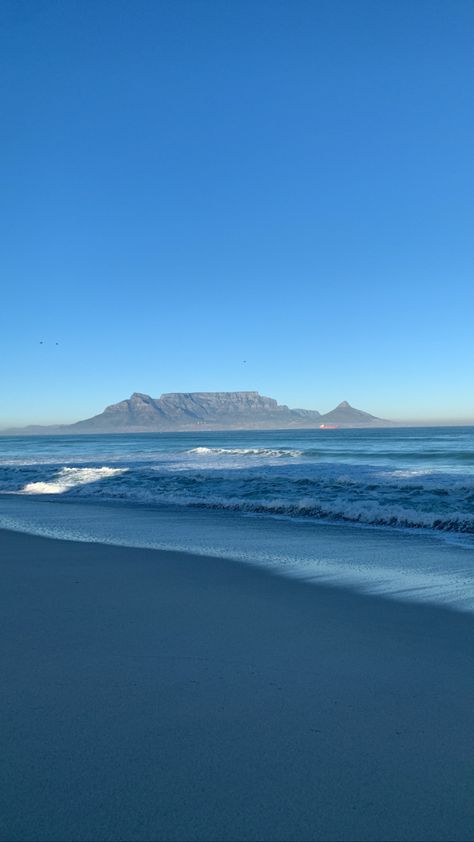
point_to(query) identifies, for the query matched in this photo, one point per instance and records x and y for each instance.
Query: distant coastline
(219, 411)
(206, 411)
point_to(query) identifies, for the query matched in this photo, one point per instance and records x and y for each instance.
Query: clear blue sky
(187, 185)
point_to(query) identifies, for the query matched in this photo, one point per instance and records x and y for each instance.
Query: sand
(152, 695)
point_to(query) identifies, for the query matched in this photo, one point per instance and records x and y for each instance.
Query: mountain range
(206, 411)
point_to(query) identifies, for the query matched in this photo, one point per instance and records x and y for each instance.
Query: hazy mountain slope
(206, 411)
(193, 410)
(347, 415)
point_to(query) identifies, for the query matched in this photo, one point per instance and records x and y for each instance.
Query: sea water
(387, 510)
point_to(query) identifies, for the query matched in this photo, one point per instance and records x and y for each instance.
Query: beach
(154, 695)
(237, 421)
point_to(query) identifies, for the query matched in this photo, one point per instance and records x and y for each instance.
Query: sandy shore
(155, 696)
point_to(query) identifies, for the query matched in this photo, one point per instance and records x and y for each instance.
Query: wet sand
(151, 695)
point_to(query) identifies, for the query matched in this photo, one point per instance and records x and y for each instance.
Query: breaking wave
(244, 451)
(442, 502)
(70, 478)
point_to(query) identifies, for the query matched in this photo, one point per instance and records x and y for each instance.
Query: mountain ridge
(193, 411)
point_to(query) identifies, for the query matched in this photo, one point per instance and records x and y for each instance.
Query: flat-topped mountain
(192, 411)
(207, 411)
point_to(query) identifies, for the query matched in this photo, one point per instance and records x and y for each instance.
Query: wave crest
(244, 451)
(359, 494)
(69, 478)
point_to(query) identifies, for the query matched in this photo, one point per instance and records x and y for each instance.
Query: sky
(247, 195)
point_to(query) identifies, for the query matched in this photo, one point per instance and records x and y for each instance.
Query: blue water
(411, 478)
(392, 509)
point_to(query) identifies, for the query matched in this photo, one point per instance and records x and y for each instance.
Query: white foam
(402, 567)
(244, 451)
(70, 478)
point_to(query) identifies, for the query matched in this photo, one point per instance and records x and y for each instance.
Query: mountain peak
(188, 411)
(349, 416)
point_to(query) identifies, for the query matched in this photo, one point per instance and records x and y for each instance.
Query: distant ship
(328, 426)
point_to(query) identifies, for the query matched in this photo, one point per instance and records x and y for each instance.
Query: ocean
(386, 510)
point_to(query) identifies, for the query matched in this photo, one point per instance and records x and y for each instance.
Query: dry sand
(159, 696)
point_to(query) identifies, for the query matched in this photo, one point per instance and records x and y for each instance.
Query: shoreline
(406, 565)
(24, 432)
(153, 694)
